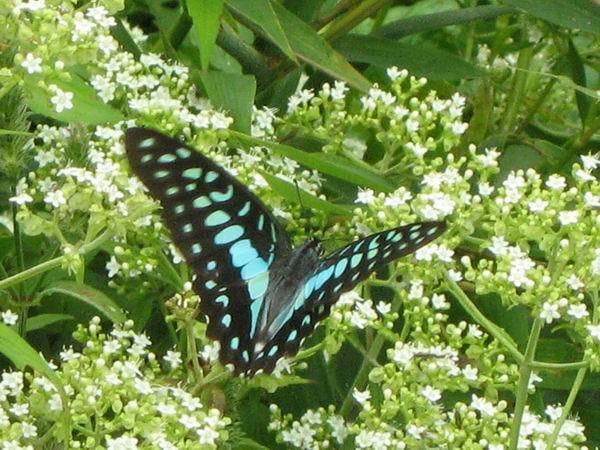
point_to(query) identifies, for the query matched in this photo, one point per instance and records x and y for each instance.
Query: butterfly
(262, 297)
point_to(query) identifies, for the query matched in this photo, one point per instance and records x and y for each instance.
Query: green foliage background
(539, 114)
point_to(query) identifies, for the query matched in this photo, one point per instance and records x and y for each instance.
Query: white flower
(441, 205)
(397, 198)
(338, 428)
(121, 443)
(355, 145)
(577, 311)
(591, 200)
(31, 5)
(9, 317)
(594, 331)
(61, 99)
(590, 162)
(514, 182)
(21, 199)
(485, 189)
(81, 26)
(431, 394)
(485, 407)
(166, 409)
(394, 73)
(574, 282)
(419, 150)
(361, 396)
(549, 312)
(32, 64)
(438, 301)
(519, 266)
(339, 90)
(173, 358)
(459, 128)
(19, 409)
(190, 422)
(29, 430)
(474, 331)
(490, 158)
(112, 266)
(383, 308)
(55, 198)
(412, 125)
(568, 217)
(69, 355)
(366, 196)
(584, 175)
(368, 103)
(470, 373)
(499, 246)
(537, 205)
(556, 182)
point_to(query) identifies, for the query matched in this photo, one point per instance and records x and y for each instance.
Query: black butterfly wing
(340, 272)
(226, 234)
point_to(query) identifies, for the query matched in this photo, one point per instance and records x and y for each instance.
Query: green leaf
(88, 295)
(15, 348)
(420, 60)
(233, 93)
(270, 383)
(87, 106)
(306, 44)
(289, 192)
(337, 166)
(581, 14)
(261, 14)
(246, 443)
(121, 34)
(515, 157)
(206, 16)
(43, 320)
(577, 67)
(428, 22)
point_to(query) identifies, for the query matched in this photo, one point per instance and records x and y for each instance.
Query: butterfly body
(261, 296)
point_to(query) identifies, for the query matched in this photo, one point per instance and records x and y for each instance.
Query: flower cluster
(119, 397)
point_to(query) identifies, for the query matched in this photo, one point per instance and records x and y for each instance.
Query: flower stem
(363, 372)
(566, 408)
(54, 262)
(498, 333)
(524, 376)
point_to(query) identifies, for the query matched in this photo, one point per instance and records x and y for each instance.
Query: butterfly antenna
(298, 194)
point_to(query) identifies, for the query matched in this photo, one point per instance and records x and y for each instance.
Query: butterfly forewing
(340, 272)
(227, 236)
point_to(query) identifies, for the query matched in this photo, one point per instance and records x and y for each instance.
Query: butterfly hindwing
(340, 272)
(227, 236)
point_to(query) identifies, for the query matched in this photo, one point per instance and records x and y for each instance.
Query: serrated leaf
(87, 106)
(90, 296)
(420, 60)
